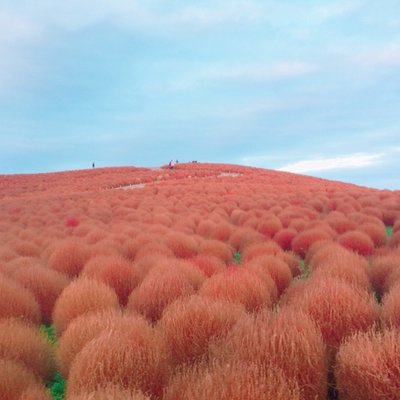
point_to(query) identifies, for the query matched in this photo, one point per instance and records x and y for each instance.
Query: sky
(305, 86)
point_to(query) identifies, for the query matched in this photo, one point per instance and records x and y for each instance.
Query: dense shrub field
(209, 281)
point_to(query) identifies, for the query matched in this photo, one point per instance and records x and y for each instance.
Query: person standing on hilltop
(171, 164)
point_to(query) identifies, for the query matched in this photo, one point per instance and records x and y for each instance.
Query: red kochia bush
(267, 248)
(123, 358)
(337, 308)
(86, 327)
(269, 226)
(376, 231)
(208, 264)
(189, 325)
(391, 307)
(303, 240)
(115, 272)
(160, 288)
(17, 302)
(357, 241)
(394, 241)
(36, 393)
(111, 392)
(368, 366)
(284, 237)
(239, 285)
(27, 345)
(68, 257)
(81, 297)
(237, 381)
(277, 269)
(243, 237)
(382, 268)
(17, 381)
(45, 284)
(288, 340)
(217, 249)
(182, 245)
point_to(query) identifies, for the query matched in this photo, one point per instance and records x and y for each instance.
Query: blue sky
(304, 86)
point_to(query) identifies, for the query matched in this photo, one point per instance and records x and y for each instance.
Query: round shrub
(182, 245)
(304, 239)
(208, 264)
(217, 249)
(368, 366)
(240, 286)
(16, 381)
(68, 257)
(189, 325)
(337, 308)
(26, 344)
(45, 284)
(288, 340)
(277, 269)
(87, 327)
(81, 297)
(17, 302)
(111, 392)
(158, 289)
(284, 237)
(357, 241)
(391, 307)
(115, 272)
(121, 358)
(231, 381)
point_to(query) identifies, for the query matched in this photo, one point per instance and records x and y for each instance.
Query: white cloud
(383, 56)
(335, 10)
(357, 160)
(244, 74)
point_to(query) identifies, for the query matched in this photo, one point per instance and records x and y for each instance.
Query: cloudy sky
(307, 86)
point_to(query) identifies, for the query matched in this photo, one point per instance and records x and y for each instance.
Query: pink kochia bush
(81, 297)
(287, 340)
(303, 240)
(111, 392)
(368, 366)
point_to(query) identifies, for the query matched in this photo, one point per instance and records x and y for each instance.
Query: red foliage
(269, 248)
(381, 269)
(244, 237)
(338, 309)
(229, 381)
(208, 264)
(72, 222)
(357, 241)
(376, 232)
(87, 327)
(288, 340)
(115, 272)
(394, 241)
(17, 302)
(81, 297)
(188, 326)
(182, 245)
(217, 249)
(26, 344)
(45, 284)
(17, 381)
(303, 240)
(160, 288)
(111, 392)
(68, 257)
(123, 358)
(222, 231)
(368, 366)
(269, 226)
(277, 269)
(391, 307)
(284, 238)
(239, 286)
